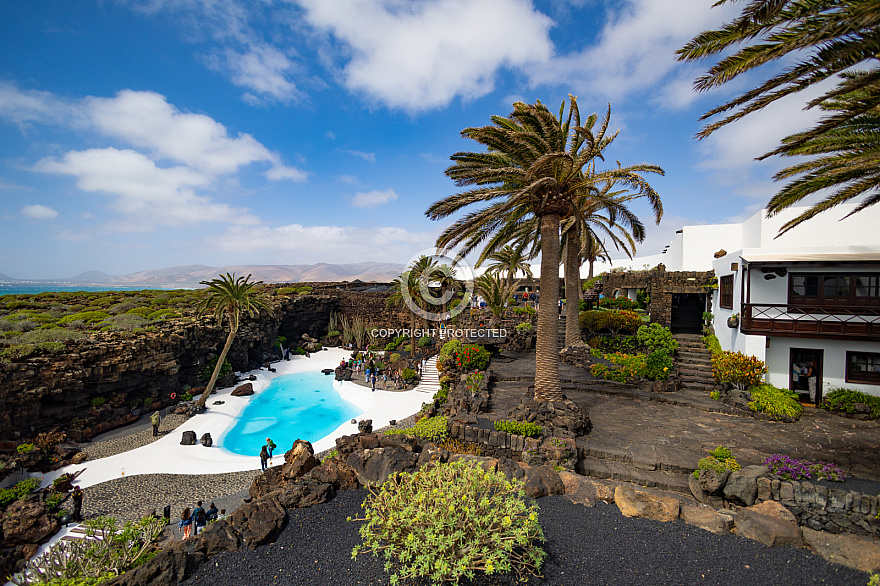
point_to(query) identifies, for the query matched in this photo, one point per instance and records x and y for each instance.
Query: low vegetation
(720, 460)
(452, 521)
(776, 402)
(523, 428)
(846, 400)
(433, 429)
(793, 469)
(742, 370)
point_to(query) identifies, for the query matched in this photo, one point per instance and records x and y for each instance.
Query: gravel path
(585, 545)
(130, 437)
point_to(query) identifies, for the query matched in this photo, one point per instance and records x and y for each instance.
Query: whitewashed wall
(833, 361)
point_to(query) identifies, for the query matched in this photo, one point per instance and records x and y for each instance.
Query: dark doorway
(805, 374)
(687, 313)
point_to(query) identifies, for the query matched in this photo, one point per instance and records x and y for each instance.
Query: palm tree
(828, 39)
(533, 168)
(227, 298)
(495, 291)
(403, 289)
(509, 260)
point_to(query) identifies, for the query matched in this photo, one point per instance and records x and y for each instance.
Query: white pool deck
(167, 456)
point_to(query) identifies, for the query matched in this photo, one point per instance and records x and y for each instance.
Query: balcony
(805, 321)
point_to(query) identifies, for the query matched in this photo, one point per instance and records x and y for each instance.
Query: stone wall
(660, 285)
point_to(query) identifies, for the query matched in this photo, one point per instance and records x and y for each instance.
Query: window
(835, 289)
(725, 289)
(863, 367)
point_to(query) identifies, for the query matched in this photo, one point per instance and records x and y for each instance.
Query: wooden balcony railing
(780, 319)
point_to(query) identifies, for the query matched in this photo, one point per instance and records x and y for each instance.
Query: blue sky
(142, 134)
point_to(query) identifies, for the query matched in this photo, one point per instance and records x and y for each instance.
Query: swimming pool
(294, 406)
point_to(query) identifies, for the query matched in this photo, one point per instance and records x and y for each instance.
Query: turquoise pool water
(294, 406)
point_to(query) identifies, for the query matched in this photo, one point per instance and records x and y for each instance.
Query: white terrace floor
(167, 456)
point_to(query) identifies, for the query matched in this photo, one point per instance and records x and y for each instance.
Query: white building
(807, 303)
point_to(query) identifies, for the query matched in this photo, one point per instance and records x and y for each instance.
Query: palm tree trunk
(572, 289)
(204, 398)
(547, 387)
(591, 268)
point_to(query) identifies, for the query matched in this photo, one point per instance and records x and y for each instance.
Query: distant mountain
(189, 276)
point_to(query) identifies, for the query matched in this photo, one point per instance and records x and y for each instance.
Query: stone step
(693, 370)
(696, 386)
(615, 470)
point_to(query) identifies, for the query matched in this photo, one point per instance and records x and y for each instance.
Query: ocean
(34, 288)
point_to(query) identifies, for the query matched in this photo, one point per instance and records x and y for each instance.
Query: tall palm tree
(403, 289)
(511, 261)
(532, 168)
(227, 298)
(828, 39)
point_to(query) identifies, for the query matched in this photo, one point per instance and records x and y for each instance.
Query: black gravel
(595, 546)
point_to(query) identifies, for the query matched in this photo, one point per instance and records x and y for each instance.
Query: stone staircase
(694, 362)
(430, 381)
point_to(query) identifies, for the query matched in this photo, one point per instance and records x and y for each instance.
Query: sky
(140, 134)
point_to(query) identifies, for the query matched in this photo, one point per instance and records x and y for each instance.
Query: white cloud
(371, 199)
(350, 179)
(330, 134)
(420, 55)
(370, 157)
(262, 69)
(39, 212)
(151, 195)
(635, 50)
(325, 243)
(25, 106)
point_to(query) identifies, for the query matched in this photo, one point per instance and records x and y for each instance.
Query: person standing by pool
(264, 457)
(155, 420)
(270, 447)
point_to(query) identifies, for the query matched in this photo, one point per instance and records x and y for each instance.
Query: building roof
(825, 254)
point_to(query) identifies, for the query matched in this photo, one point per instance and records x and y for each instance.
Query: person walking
(212, 513)
(373, 379)
(77, 504)
(185, 523)
(270, 447)
(199, 517)
(155, 420)
(264, 457)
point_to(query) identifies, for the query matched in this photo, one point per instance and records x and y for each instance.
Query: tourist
(77, 504)
(270, 447)
(155, 420)
(222, 515)
(264, 457)
(166, 514)
(211, 515)
(373, 379)
(199, 517)
(185, 523)
(384, 380)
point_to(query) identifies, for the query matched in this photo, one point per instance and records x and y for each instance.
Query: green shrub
(775, 401)
(624, 366)
(529, 311)
(25, 448)
(186, 397)
(425, 342)
(613, 321)
(742, 370)
(472, 357)
(336, 334)
(98, 401)
(657, 366)
(20, 491)
(523, 327)
(451, 521)
(622, 303)
(712, 344)
(618, 343)
(432, 429)
(407, 374)
(52, 335)
(141, 311)
(846, 399)
(163, 314)
(88, 317)
(287, 291)
(720, 460)
(657, 337)
(715, 395)
(208, 369)
(523, 428)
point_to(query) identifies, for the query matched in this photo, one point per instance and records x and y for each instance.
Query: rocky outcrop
(245, 390)
(55, 391)
(636, 503)
(26, 522)
(562, 418)
(188, 438)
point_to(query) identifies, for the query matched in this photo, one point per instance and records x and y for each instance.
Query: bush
(618, 303)
(98, 401)
(626, 366)
(451, 521)
(336, 334)
(713, 345)
(776, 402)
(208, 369)
(657, 366)
(186, 397)
(125, 322)
(742, 370)
(523, 428)
(21, 490)
(657, 337)
(614, 321)
(141, 311)
(846, 400)
(163, 314)
(529, 311)
(523, 328)
(52, 335)
(407, 374)
(425, 342)
(720, 460)
(432, 429)
(617, 343)
(88, 317)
